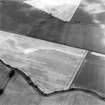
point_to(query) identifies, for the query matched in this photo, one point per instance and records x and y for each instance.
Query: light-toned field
(51, 66)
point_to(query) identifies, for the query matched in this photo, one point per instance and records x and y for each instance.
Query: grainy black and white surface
(41, 77)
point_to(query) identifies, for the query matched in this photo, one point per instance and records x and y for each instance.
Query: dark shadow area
(5, 76)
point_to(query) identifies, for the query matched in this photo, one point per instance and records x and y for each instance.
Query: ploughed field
(52, 67)
(44, 73)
